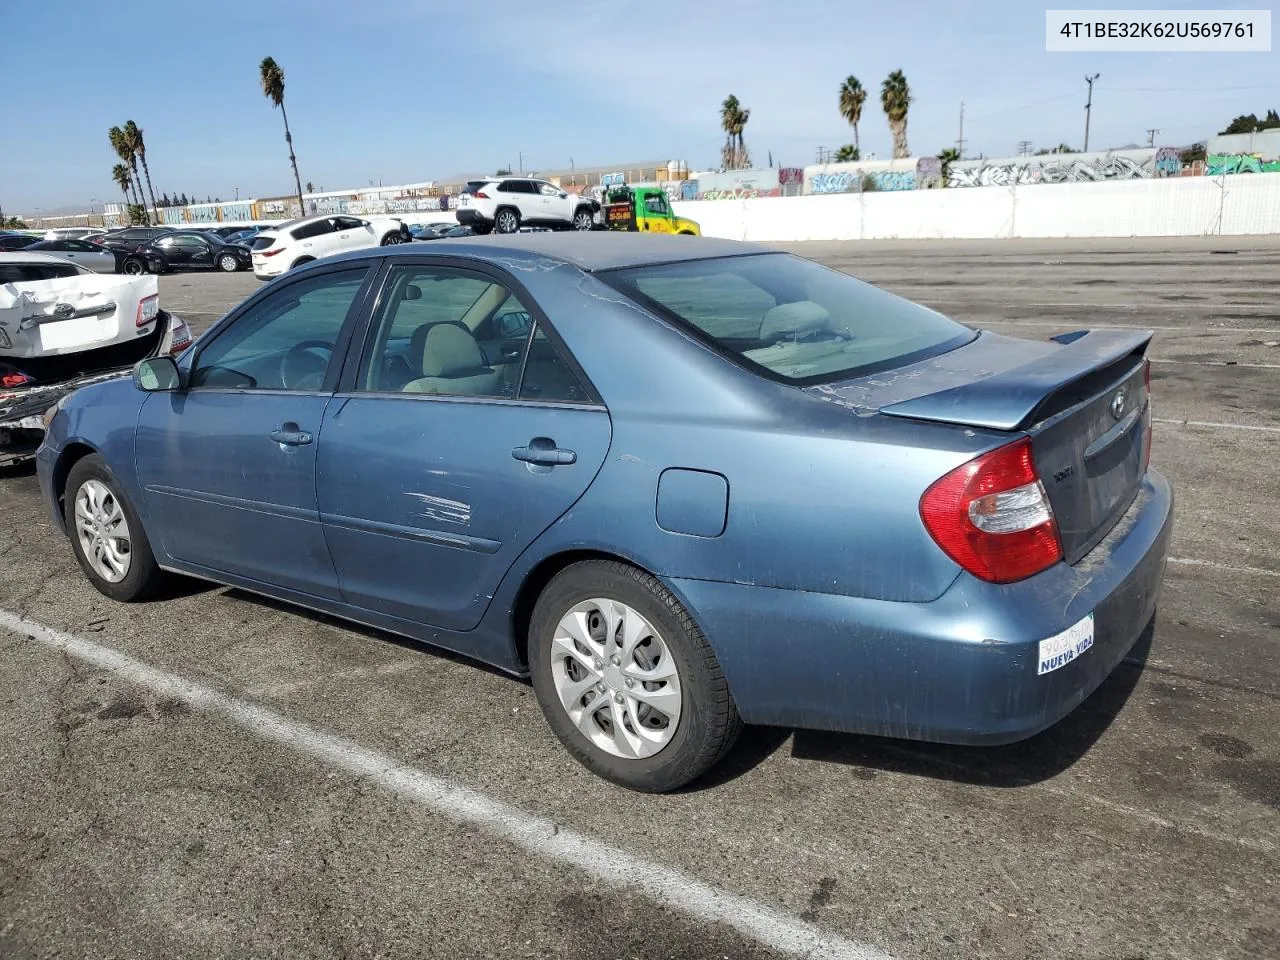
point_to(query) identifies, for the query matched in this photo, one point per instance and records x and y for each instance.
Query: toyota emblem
(64, 311)
(1117, 405)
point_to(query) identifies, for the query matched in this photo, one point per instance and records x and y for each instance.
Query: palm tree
(847, 154)
(273, 89)
(120, 144)
(895, 98)
(120, 174)
(133, 134)
(733, 120)
(852, 97)
(946, 158)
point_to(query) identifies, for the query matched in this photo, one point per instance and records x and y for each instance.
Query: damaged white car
(61, 327)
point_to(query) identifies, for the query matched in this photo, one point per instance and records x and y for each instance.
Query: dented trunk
(66, 315)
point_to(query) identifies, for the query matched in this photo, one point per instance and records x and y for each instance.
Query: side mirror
(157, 374)
(514, 325)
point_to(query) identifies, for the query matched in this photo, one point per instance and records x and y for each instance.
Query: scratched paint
(442, 509)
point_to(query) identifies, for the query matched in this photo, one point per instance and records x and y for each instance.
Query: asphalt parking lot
(219, 776)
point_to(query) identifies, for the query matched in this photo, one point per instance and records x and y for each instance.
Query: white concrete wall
(1243, 204)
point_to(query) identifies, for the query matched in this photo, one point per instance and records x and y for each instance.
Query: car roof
(587, 250)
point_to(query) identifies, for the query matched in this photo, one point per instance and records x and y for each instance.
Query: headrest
(794, 319)
(412, 292)
(448, 350)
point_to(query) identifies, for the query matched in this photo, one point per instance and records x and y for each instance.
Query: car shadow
(371, 633)
(1021, 764)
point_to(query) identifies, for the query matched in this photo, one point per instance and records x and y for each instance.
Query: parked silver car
(91, 256)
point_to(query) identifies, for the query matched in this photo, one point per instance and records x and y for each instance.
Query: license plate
(81, 332)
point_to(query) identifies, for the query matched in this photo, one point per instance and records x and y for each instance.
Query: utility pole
(1024, 147)
(821, 154)
(960, 138)
(1088, 108)
(1151, 136)
(521, 156)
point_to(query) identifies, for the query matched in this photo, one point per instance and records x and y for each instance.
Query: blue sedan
(681, 484)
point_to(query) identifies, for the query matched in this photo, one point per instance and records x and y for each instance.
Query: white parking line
(1210, 423)
(1213, 564)
(537, 836)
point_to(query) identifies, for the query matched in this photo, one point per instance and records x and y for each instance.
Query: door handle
(544, 452)
(290, 435)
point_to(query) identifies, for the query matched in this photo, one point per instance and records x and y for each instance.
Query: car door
(554, 204)
(657, 213)
(352, 233)
(197, 252)
(437, 465)
(227, 464)
(91, 255)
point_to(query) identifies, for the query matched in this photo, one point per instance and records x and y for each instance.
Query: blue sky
(403, 91)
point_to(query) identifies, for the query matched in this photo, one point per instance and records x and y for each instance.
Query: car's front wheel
(391, 239)
(228, 263)
(107, 536)
(626, 679)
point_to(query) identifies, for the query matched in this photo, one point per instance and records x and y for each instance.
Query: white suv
(296, 242)
(505, 204)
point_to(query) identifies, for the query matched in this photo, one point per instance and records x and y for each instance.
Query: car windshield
(789, 318)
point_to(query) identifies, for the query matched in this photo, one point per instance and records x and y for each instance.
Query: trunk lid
(1082, 398)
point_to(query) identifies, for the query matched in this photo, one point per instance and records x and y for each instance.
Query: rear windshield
(791, 319)
(31, 272)
(261, 242)
(473, 186)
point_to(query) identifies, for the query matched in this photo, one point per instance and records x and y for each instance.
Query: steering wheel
(303, 366)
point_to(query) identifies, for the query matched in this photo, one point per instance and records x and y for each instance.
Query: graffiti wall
(1066, 168)
(737, 185)
(863, 175)
(1220, 164)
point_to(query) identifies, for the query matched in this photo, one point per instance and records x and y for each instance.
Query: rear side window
(31, 272)
(308, 230)
(791, 319)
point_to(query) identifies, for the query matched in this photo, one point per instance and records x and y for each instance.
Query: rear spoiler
(1010, 399)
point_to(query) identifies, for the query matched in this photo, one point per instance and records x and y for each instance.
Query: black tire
(709, 722)
(583, 218)
(300, 261)
(144, 579)
(228, 263)
(481, 229)
(506, 220)
(133, 267)
(391, 239)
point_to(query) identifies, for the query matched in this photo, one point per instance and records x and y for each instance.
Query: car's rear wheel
(626, 679)
(228, 263)
(583, 219)
(506, 220)
(107, 536)
(133, 268)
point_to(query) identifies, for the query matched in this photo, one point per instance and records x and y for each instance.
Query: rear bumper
(960, 669)
(22, 410)
(469, 218)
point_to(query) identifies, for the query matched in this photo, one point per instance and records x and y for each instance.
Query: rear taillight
(1146, 434)
(480, 195)
(270, 253)
(15, 379)
(181, 335)
(993, 517)
(148, 307)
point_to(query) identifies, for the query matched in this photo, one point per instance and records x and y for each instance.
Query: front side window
(657, 203)
(284, 341)
(789, 318)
